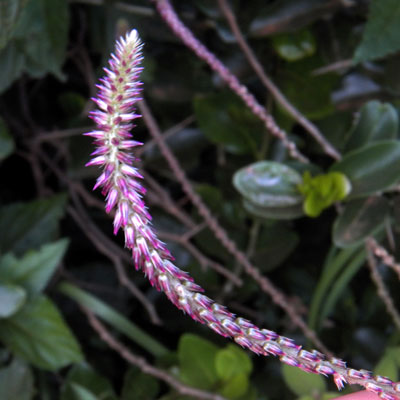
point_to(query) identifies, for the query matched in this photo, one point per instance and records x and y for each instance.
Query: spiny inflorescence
(121, 184)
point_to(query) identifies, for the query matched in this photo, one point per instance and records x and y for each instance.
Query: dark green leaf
(232, 361)
(224, 120)
(372, 168)
(35, 268)
(197, 361)
(39, 334)
(289, 15)
(303, 383)
(360, 218)
(294, 46)
(114, 318)
(139, 386)
(382, 31)
(12, 63)
(16, 381)
(377, 121)
(12, 298)
(10, 12)
(30, 225)
(81, 393)
(268, 183)
(6, 141)
(83, 375)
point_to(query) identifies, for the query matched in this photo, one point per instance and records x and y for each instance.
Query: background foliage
(304, 226)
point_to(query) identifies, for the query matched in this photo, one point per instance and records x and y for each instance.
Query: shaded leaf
(302, 383)
(224, 120)
(197, 361)
(360, 218)
(389, 364)
(289, 212)
(382, 32)
(85, 377)
(16, 381)
(12, 298)
(23, 334)
(377, 121)
(6, 141)
(10, 12)
(35, 268)
(372, 168)
(268, 183)
(139, 386)
(235, 387)
(30, 225)
(81, 393)
(294, 46)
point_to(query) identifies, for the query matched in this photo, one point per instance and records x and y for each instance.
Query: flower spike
(121, 185)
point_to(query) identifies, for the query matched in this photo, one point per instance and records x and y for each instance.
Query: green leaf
(197, 361)
(359, 219)
(302, 383)
(322, 191)
(114, 318)
(376, 121)
(16, 381)
(268, 183)
(382, 31)
(10, 12)
(294, 46)
(12, 298)
(224, 120)
(35, 268)
(81, 393)
(372, 168)
(30, 225)
(6, 141)
(85, 377)
(232, 361)
(235, 387)
(139, 386)
(289, 212)
(38, 334)
(389, 364)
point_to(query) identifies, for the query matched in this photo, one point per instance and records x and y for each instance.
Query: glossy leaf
(302, 383)
(294, 46)
(16, 381)
(224, 120)
(372, 168)
(360, 219)
(6, 141)
(85, 377)
(30, 225)
(139, 386)
(376, 121)
(289, 212)
(197, 361)
(38, 334)
(382, 32)
(322, 191)
(12, 298)
(114, 318)
(35, 268)
(268, 183)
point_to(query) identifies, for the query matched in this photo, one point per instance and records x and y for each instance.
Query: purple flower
(120, 181)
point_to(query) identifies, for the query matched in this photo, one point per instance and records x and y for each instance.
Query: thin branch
(143, 365)
(266, 285)
(384, 255)
(269, 84)
(382, 291)
(201, 258)
(175, 24)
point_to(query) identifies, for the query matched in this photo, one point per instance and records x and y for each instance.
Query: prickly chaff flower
(121, 184)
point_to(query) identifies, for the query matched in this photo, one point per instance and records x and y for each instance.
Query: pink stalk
(120, 182)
